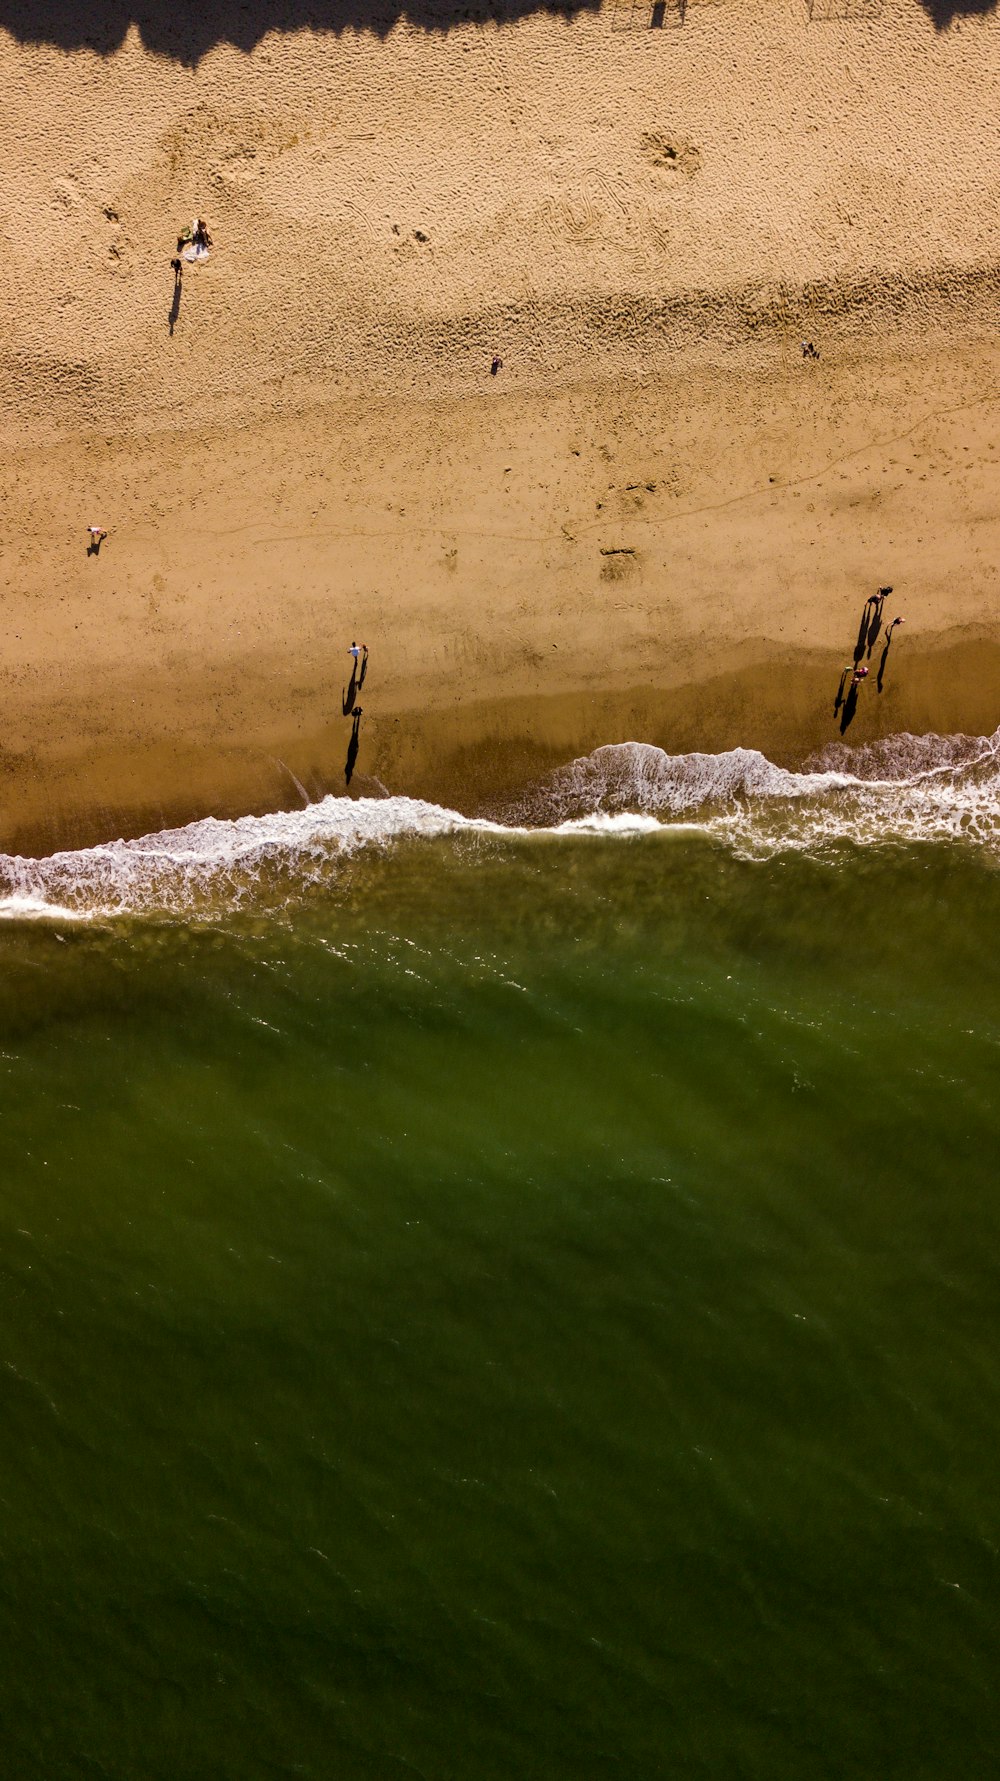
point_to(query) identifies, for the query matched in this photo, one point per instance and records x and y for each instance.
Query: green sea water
(522, 1309)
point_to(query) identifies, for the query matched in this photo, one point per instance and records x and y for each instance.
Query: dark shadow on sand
(874, 629)
(850, 708)
(866, 615)
(885, 653)
(187, 29)
(352, 747)
(175, 307)
(945, 12)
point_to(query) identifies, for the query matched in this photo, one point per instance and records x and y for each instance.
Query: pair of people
(194, 243)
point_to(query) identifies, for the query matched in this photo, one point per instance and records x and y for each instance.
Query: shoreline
(679, 560)
(480, 759)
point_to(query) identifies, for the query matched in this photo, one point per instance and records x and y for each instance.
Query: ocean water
(513, 1297)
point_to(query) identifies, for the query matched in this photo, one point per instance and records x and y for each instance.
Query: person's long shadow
(885, 654)
(876, 624)
(353, 746)
(839, 700)
(850, 707)
(350, 693)
(175, 306)
(859, 647)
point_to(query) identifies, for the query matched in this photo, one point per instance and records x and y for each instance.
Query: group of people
(869, 631)
(193, 243)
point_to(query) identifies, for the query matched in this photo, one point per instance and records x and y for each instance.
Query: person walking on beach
(97, 537)
(355, 651)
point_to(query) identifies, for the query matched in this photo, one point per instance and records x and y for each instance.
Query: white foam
(28, 908)
(908, 789)
(603, 822)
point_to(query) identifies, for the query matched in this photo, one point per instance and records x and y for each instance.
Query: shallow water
(499, 1304)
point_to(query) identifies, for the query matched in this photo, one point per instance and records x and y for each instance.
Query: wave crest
(215, 864)
(904, 789)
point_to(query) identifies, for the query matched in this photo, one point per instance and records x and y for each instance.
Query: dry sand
(657, 522)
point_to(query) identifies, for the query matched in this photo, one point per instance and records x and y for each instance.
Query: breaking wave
(905, 789)
(908, 789)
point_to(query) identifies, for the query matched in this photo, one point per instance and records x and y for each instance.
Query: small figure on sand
(193, 243)
(364, 666)
(97, 537)
(497, 365)
(809, 351)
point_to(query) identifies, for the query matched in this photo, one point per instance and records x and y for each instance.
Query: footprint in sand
(671, 154)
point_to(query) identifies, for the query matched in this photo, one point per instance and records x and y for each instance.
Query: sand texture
(657, 521)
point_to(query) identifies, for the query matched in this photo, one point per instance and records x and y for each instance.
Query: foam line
(907, 789)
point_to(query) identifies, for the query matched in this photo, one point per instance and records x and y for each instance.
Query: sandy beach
(658, 521)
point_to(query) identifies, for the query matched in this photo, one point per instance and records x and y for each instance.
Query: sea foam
(907, 789)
